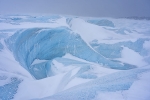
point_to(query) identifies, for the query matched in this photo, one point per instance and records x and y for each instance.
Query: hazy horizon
(95, 8)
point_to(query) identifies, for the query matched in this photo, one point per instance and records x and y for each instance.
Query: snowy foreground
(74, 58)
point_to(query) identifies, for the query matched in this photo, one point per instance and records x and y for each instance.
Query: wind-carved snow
(146, 45)
(134, 59)
(72, 58)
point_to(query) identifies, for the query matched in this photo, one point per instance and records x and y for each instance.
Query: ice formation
(72, 58)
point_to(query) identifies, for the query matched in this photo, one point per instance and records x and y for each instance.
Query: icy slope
(74, 58)
(109, 83)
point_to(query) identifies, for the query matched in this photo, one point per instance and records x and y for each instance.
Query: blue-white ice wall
(47, 44)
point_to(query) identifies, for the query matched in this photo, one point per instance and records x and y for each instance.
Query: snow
(24, 24)
(67, 55)
(58, 67)
(13, 66)
(110, 96)
(37, 61)
(38, 88)
(90, 32)
(139, 90)
(76, 81)
(74, 71)
(131, 57)
(146, 45)
(74, 58)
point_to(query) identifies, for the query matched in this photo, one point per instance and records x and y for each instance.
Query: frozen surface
(57, 57)
(102, 22)
(134, 59)
(47, 44)
(114, 50)
(1, 46)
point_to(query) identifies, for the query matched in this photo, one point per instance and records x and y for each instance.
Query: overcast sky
(93, 8)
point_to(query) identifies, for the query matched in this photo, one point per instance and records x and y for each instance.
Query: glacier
(55, 57)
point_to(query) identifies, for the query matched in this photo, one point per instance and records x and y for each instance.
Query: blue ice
(114, 50)
(47, 44)
(110, 83)
(8, 90)
(102, 22)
